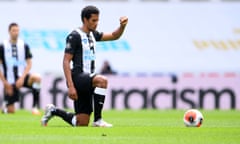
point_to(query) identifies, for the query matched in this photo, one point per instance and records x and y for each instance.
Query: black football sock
(66, 116)
(99, 98)
(36, 86)
(36, 93)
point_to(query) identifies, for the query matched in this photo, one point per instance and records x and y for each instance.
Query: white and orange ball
(193, 118)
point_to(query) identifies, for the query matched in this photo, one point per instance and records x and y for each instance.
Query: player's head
(13, 30)
(90, 17)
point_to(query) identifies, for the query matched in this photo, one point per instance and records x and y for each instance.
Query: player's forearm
(27, 68)
(118, 32)
(4, 81)
(3, 78)
(68, 77)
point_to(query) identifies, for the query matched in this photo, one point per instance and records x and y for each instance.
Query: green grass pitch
(130, 127)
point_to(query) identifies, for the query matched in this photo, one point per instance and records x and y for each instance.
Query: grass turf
(133, 127)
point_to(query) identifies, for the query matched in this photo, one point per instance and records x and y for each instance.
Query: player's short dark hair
(88, 11)
(13, 24)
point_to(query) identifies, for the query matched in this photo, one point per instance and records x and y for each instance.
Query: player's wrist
(70, 85)
(5, 83)
(122, 26)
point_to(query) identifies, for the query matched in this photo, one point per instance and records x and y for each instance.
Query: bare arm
(118, 32)
(20, 81)
(27, 68)
(67, 72)
(7, 86)
(4, 81)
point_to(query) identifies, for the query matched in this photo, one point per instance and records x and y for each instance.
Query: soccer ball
(193, 118)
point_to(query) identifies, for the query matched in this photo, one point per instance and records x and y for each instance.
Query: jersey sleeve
(97, 35)
(28, 53)
(72, 42)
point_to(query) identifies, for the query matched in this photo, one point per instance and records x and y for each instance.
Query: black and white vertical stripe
(88, 50)
(14, 58)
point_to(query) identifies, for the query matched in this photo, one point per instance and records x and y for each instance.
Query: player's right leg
(81, 119)
(52, 111)
(48, 114)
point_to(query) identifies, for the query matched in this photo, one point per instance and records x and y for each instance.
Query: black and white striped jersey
(13, 57)
(83, 48)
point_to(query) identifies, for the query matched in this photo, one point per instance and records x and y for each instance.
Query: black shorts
(83, 85)
(15, 97)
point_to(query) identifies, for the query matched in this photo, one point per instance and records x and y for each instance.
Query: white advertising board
(164, 92)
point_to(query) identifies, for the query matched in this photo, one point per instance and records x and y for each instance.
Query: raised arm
(118, 32)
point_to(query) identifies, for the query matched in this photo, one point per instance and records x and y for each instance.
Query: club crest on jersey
(85, 41)
(68, 45)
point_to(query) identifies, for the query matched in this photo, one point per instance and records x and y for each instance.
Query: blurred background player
(107, 69)
(15, 58)
(82, 82)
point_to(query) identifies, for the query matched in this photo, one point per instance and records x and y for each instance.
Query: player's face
(92, 22)
(14, 32)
